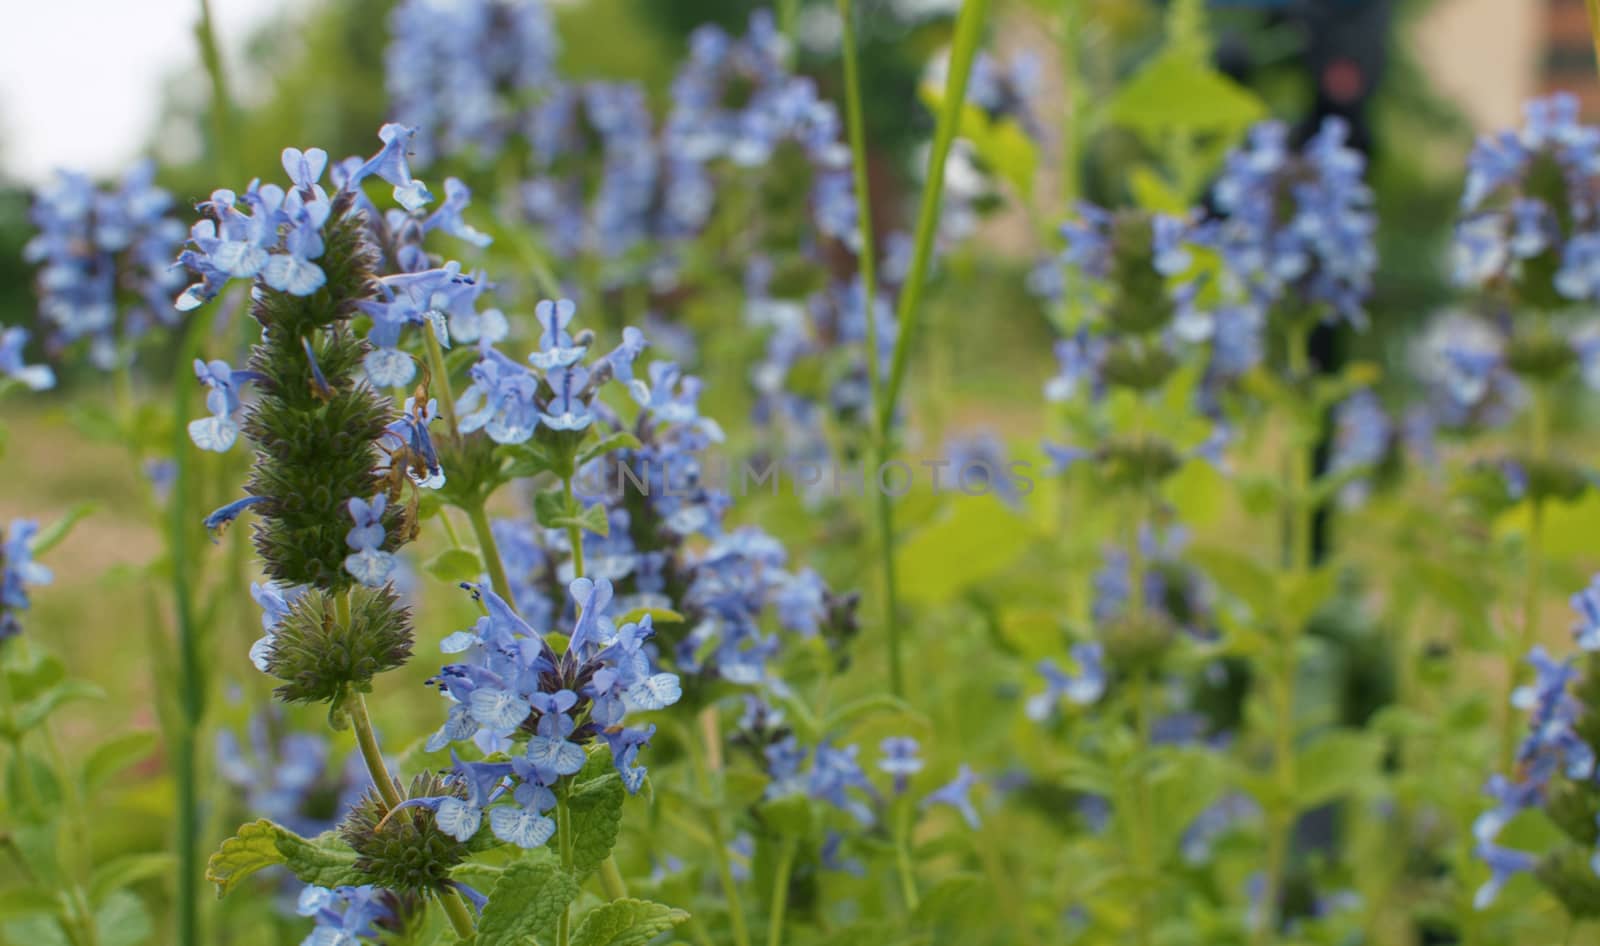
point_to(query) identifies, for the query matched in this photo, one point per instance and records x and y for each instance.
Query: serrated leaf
(596, 811)
(626, 922)
(52, 535)
(325, 861)
(112, 757)
(528, 897)
(620, 440)
(552, 508)
(455, 565)
(526, 460)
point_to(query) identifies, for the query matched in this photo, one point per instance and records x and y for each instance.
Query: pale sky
(80, 80)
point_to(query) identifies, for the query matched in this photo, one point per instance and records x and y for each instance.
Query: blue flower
(502, 400)
(391, 165)
(219, 431)
(35, 377)
(557, 349)
(900, 760)
(408, 443)
(18, 570)
(448, 217)
(1587, 604)
(369, 564)
(222, 517)
(346, 916)
(1081, 690)
(275, 602)
(1362, 431)
(105, 274)
(567, 410)
(957, 794)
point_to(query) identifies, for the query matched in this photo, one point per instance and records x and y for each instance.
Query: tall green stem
(564, 841)
(1532, 579)
(372, 753)
(481, 530)
(780, 893)
(902, 856)
(719, 843)
(867, 261)
(969, 31)
(574, 533)
(441, 376)
(460, 917)
(221, 102)
(191, 684)
(1298, 513)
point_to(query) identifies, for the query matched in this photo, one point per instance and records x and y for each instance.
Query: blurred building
(1491, 55)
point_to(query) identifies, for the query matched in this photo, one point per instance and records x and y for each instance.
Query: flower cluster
(1530, 221)
(285, 775)
(465, 73)
(1296, 228)
(512, 690)
(104, 253)
(18, 570)
(346, 916)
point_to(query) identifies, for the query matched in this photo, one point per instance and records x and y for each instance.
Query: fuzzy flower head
(104, 257)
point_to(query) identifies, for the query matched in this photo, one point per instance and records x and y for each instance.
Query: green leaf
(790, 816)
(36, 711)
(959, 901)
(455, 565)
(596, 811)
(37, 930)
(112, 757)
(325, 860)
(526, 460)
(1239, 575)
(528, 897)
(122, 920)
(620, 440)
(657, 616)
(1304, 595)
(856, 710)
(974, 540)
(127, 870)
(626, 922)
(51, 535)
(1177, 90)
(24, 901)
(1337, 764)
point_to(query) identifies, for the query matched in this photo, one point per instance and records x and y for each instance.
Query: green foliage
(626, 922)
(324, 861)
(595, 807)
(526, 899)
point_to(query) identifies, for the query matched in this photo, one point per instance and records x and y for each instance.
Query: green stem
(221, 102)
(719, 844)
(1297, 513)
(371, 752)
(1594, 27)
(902, 856)
(191, 687)
(1144, 833)
(867, 257)
(564, 841)
(780, 893)
(460, 917)
(969, 30)
(574, 533)
(441, 376)
(1533, 579)
(481, 529)
(611, 879)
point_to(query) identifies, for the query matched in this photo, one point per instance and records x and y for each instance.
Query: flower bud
(404, 850)
(322, 659)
